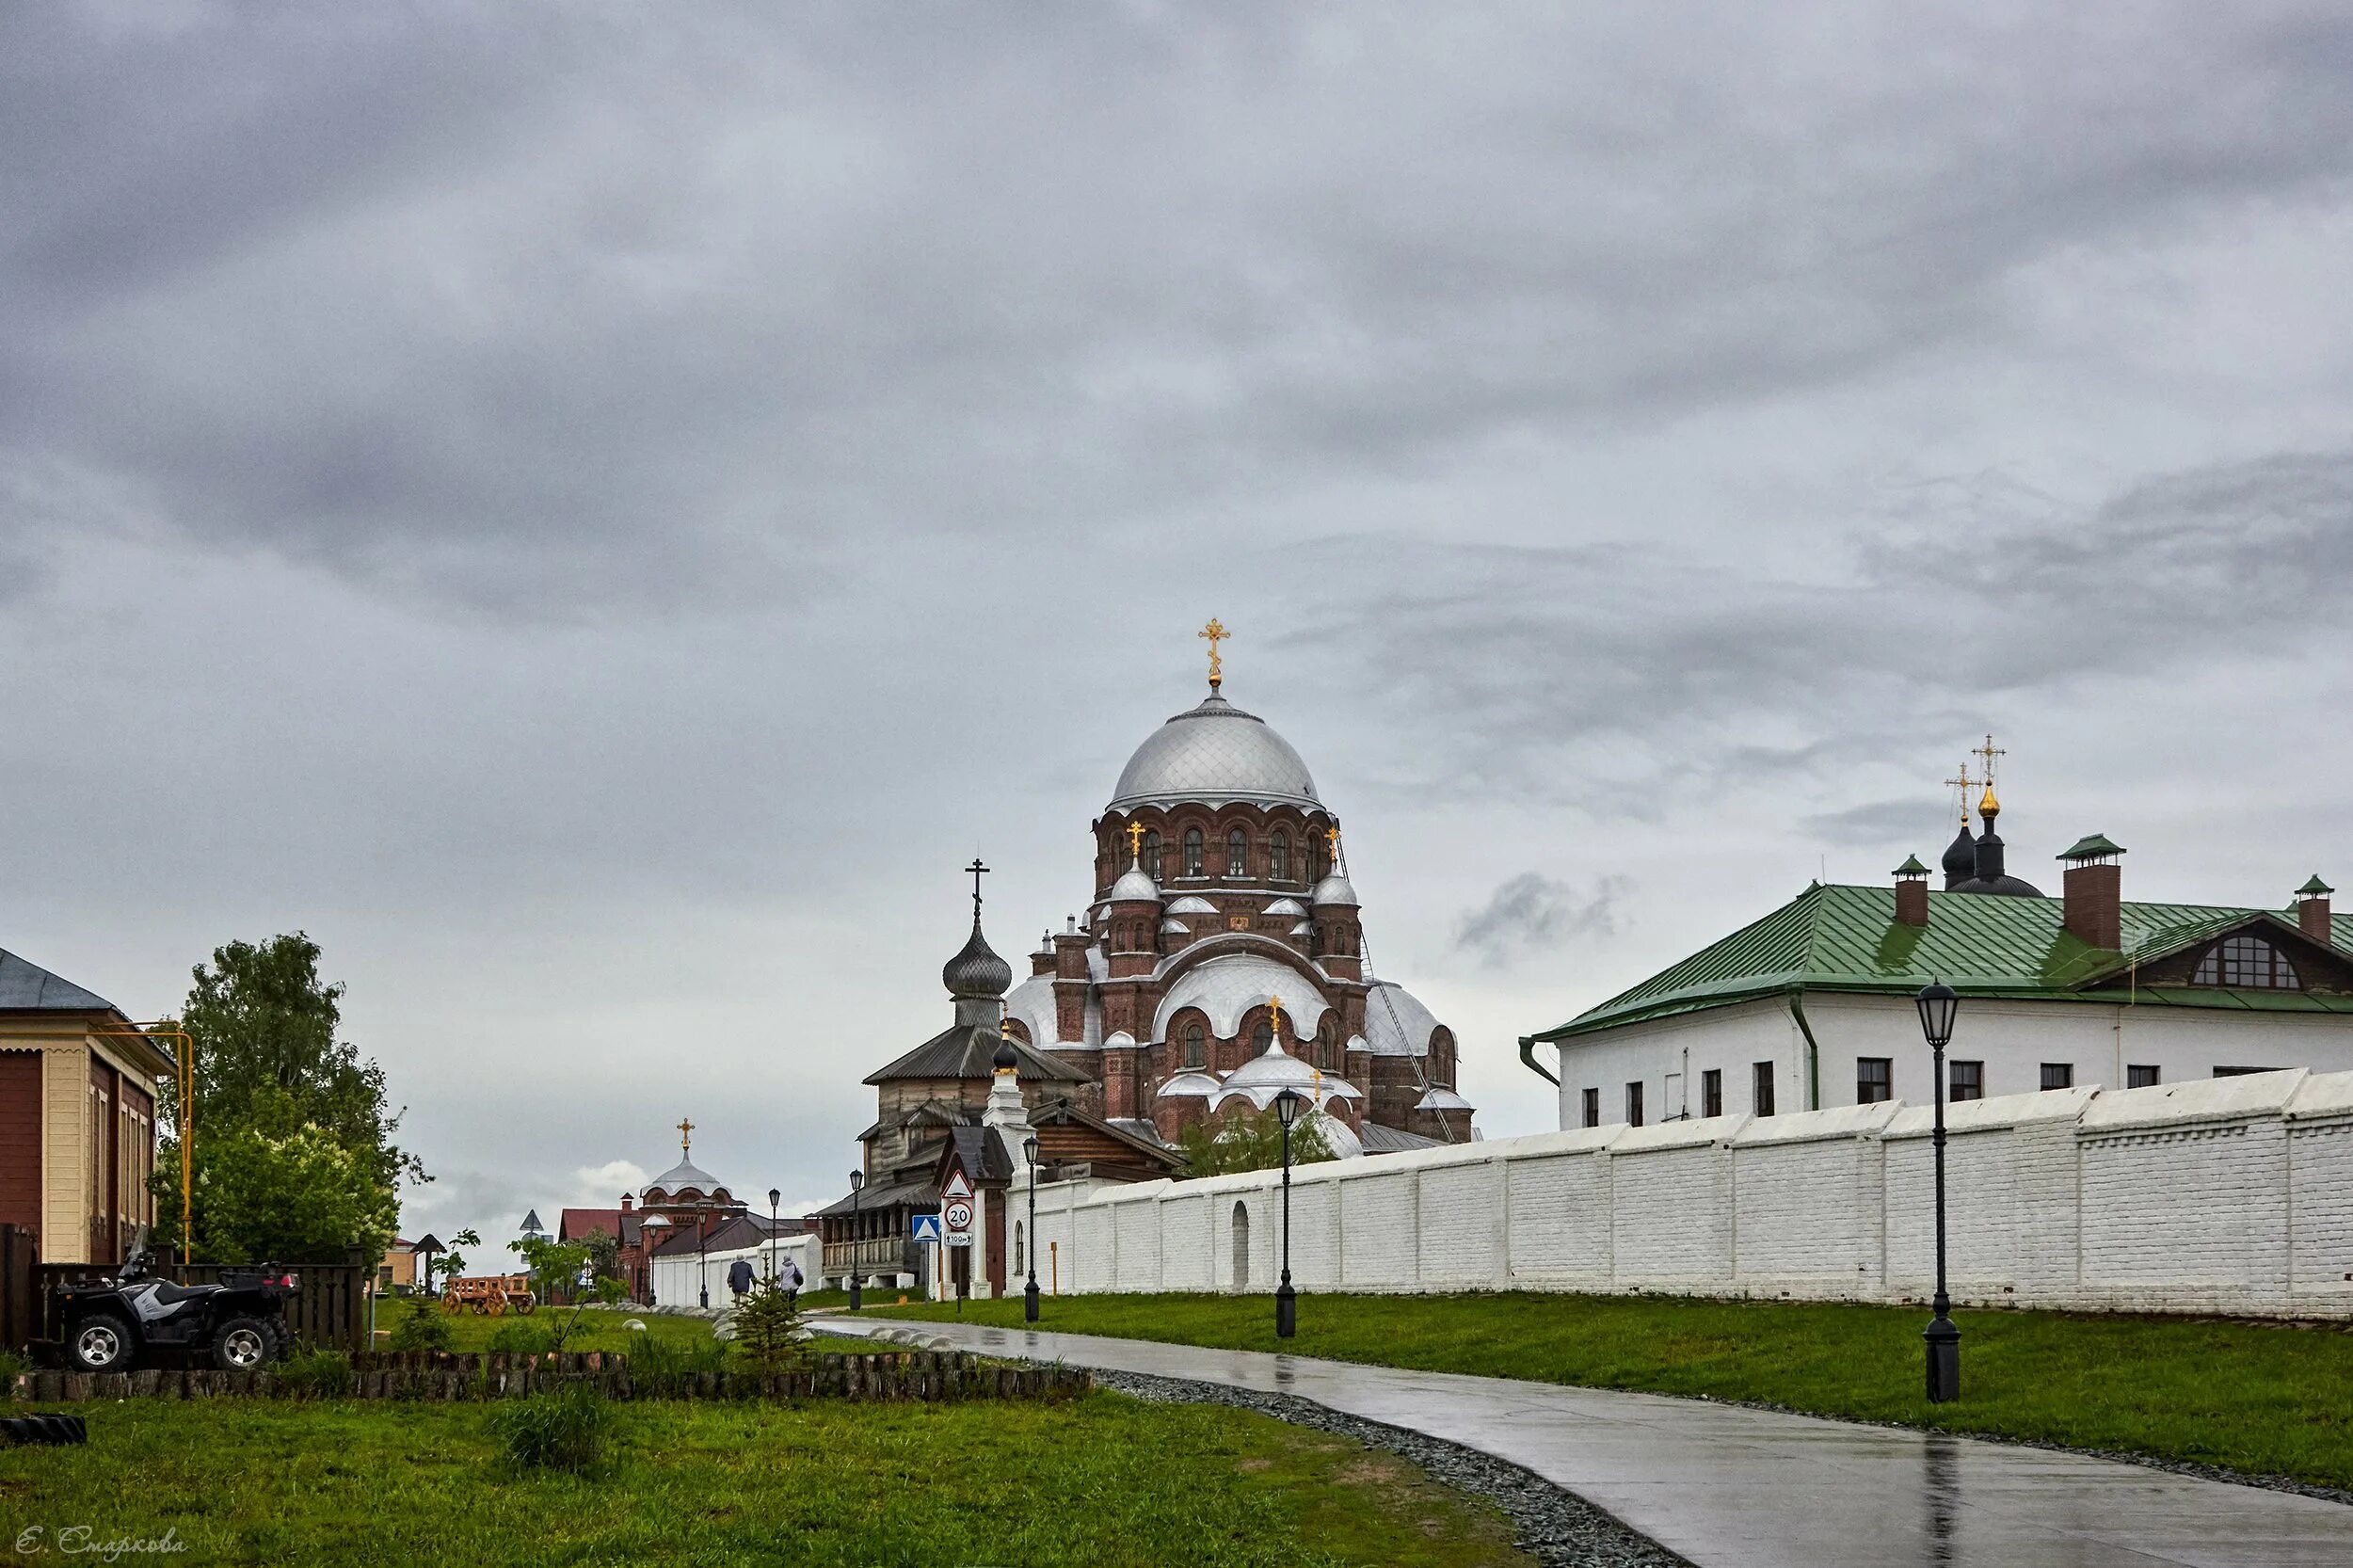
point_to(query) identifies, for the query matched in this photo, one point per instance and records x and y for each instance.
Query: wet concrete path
(1734, 1488)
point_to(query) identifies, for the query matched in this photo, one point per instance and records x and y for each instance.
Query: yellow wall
(66, 1049)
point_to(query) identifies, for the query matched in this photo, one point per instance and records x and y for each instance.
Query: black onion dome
(1991, 876)
(1960, 858)
(977, 971)
(1005, 1060)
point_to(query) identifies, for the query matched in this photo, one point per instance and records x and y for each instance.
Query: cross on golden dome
(1215, 633)
(1987, 805)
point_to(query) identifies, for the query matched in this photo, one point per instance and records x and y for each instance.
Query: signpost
(924, 1228)
(956, 1214)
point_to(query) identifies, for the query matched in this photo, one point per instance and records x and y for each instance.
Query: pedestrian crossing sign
(926, 1228)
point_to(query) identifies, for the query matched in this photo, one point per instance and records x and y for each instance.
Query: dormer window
(2246, 963)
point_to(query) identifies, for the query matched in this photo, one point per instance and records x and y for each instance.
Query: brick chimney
(628, 1203)
(2311, 911)
(2094, 892)
(1911, 892)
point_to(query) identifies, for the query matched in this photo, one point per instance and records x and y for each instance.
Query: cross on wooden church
(977, 872)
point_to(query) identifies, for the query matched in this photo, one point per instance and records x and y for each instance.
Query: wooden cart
(488, 1295)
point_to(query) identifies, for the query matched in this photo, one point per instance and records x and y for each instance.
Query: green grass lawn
(599, 1330)
(2257, 1398)
(1095, 1482)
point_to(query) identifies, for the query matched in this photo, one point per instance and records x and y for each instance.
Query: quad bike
(239, 1323)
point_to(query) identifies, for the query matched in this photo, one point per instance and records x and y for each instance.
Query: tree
(767, 1328)
(1250, 1141)
(561, 1263)
(302, 1196)
(267, 1063)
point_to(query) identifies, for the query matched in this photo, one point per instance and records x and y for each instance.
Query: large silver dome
(1215, 752)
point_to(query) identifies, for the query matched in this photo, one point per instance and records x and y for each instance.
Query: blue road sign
(925, 1227)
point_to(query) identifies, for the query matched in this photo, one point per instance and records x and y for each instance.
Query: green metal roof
(1846, 938)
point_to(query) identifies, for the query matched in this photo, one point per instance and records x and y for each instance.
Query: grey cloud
(548, 318)
(1881, 822)
(1532, 914)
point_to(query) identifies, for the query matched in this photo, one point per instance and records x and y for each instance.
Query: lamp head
(1029, 1148)
(772, 1196)
(1288, 1105)
(858, 1180)
(1938, 1003)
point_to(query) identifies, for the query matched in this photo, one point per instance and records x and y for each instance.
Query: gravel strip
(1558, 1528)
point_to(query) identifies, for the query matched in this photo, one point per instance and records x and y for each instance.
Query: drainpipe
(1528, 1058)
(1813, 1052)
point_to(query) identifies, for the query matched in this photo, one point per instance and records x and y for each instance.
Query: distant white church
(1811, 1006)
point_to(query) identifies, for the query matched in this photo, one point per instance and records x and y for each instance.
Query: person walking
(791, 1280)
(740, 1276)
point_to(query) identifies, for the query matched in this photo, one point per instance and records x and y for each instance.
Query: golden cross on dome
(1135, 839)
(1990, 751)
(685, 1136)
(1961, 782)
(1274, 1018)
(1332, 839)
(1216, 634)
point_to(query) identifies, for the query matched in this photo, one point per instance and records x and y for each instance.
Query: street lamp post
(702, 1258)
(1028, 1241)
(772, 1196)
(1286, 1109)
(652, 1230)
(1938, 1004)
(858, 1181)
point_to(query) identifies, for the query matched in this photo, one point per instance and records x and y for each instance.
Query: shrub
(562, 1429)
(315, 1373)
(659, 1365)
(519, 1338)
(425, 1328)
(12, 1365)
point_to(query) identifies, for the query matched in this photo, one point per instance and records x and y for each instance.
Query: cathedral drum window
(1193, 852)
(1196, 1046)
(1278, 856)
(1152, 852)
(1238, 852)
(2247, 962)
(1261, 1039)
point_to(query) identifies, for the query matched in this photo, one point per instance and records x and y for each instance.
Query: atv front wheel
(244, 1345)
(102, 1345)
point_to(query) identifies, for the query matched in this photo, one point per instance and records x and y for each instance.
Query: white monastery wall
(2208, 1195)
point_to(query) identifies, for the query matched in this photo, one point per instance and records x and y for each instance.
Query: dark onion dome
(977, 971)
(1990, 878)
(1960, 858)
(1005, 1060)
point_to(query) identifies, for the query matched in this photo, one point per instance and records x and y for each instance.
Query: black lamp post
(858, 1180)
(1286, 1108)
(702, 1257)
(1938, 1004)
(772, 1196)
(1029, 1244)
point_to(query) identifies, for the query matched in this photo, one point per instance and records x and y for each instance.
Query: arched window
(1020, 1260)
(1261, 1038)
(1196, 1047)
(1152, 854)
(1236, 853)
(1278, 856)
(1193, 852)
(2250, 962)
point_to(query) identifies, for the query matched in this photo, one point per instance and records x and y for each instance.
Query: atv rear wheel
(244, 1345)
(102, 1344)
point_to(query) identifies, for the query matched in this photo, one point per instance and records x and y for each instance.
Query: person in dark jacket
(740, 1276)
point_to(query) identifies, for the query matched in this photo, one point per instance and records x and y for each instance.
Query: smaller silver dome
(1334, 890)
(1134, 885)
(977, 971)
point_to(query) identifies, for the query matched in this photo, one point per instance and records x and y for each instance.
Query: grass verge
(1095, 1483)
(2254, 1398)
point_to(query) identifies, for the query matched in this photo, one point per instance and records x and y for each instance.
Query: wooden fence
(20, 1299)
(329, 1306)
(916, 1375)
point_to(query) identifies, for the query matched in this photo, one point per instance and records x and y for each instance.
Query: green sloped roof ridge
(1846, 938)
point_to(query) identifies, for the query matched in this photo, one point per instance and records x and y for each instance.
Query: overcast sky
(596, 512)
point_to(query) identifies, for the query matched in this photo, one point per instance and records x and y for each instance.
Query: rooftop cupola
(1992, 875)
(2311, 911)
(1911, 892)
(976, 977)
(1961, 855)
(2094, 887)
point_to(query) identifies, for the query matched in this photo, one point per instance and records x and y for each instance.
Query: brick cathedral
(1222, 956)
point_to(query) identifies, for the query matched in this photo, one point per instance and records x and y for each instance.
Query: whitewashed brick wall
(2217, 1196)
